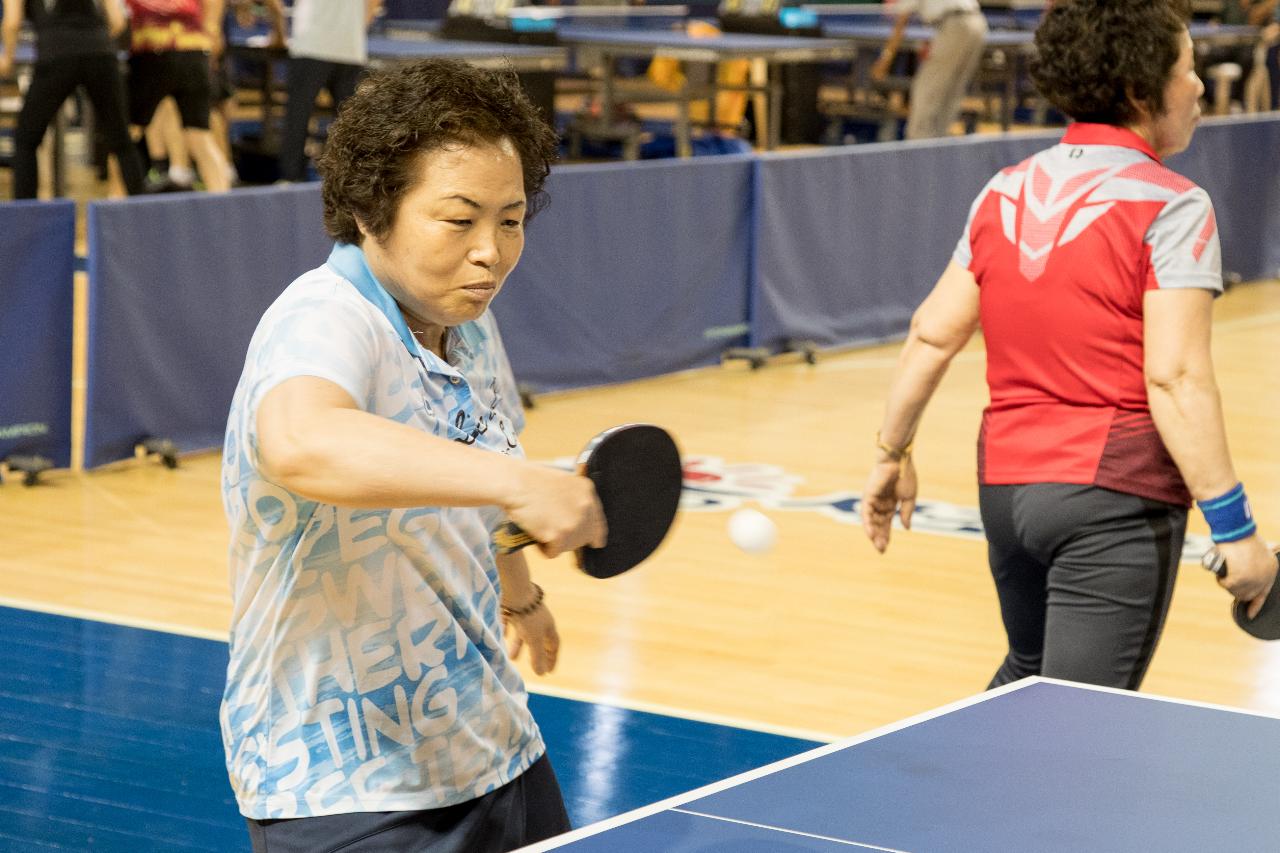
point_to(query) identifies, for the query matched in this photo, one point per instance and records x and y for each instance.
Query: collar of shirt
(349, 262)
(1086, 133)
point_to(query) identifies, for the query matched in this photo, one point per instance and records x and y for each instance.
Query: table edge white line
(844, 841)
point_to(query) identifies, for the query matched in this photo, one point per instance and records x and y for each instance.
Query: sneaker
(164, 184)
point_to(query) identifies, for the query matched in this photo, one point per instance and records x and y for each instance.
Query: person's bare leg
(115, 182)
(165, 139)
(219, 126)
(210, 162)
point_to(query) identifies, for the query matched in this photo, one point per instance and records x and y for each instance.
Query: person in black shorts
(170, 48)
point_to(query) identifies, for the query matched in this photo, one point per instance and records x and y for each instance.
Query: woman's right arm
(940, 328)
(1187, 409)
(884, 62)
(279, 29)
(315, 441)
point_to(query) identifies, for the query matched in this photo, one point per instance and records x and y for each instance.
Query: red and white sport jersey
(1064, 247)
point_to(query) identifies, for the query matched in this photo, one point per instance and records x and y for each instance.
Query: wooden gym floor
(820, 636)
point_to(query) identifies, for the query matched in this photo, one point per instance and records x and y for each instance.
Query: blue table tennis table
(1005, 49)
(1010, 14)
(386, 50)
(1040, 765)
(772, 50)
(523, 19)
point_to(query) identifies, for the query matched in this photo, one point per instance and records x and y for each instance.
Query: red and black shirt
(1064, 247)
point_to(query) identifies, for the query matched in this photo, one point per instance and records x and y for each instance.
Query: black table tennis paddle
(637, 473)
(1264, 626)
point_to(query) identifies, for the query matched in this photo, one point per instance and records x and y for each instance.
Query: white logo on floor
(712, 485)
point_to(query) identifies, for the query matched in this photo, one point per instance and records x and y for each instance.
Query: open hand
(890, 490)
(537, 631)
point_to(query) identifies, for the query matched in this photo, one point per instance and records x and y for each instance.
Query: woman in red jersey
(1092, 269)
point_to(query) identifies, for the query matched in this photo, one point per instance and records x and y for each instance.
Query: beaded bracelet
(513, 613)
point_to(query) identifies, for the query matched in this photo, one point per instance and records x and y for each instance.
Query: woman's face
(1171, 130)
(457, 234)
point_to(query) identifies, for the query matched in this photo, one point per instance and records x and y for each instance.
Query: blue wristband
(1229, 516)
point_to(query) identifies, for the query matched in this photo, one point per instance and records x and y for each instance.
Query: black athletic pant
(1084, 576)
(52, 82)
(524, 811)
(306, 78)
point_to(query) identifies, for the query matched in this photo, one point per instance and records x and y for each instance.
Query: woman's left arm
(1186, 407)
(524, 610)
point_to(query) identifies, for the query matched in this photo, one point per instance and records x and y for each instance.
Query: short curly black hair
(1093, 55)
(402, 112)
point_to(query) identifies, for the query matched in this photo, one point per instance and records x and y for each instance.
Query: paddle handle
(1217, 564)
(1213, 561)
(509, 538)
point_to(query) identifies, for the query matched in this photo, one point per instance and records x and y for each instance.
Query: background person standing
(74, 48)
(942, 80)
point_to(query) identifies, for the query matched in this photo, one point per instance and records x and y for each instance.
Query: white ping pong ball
(752, 531)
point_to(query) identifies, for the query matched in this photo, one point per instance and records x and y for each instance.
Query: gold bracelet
(894, 454)
(513, 613)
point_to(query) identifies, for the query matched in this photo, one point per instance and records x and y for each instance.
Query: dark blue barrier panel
(37, 257)
(627, 270)
(1235, 160)
(849, 241)
(177, 285)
